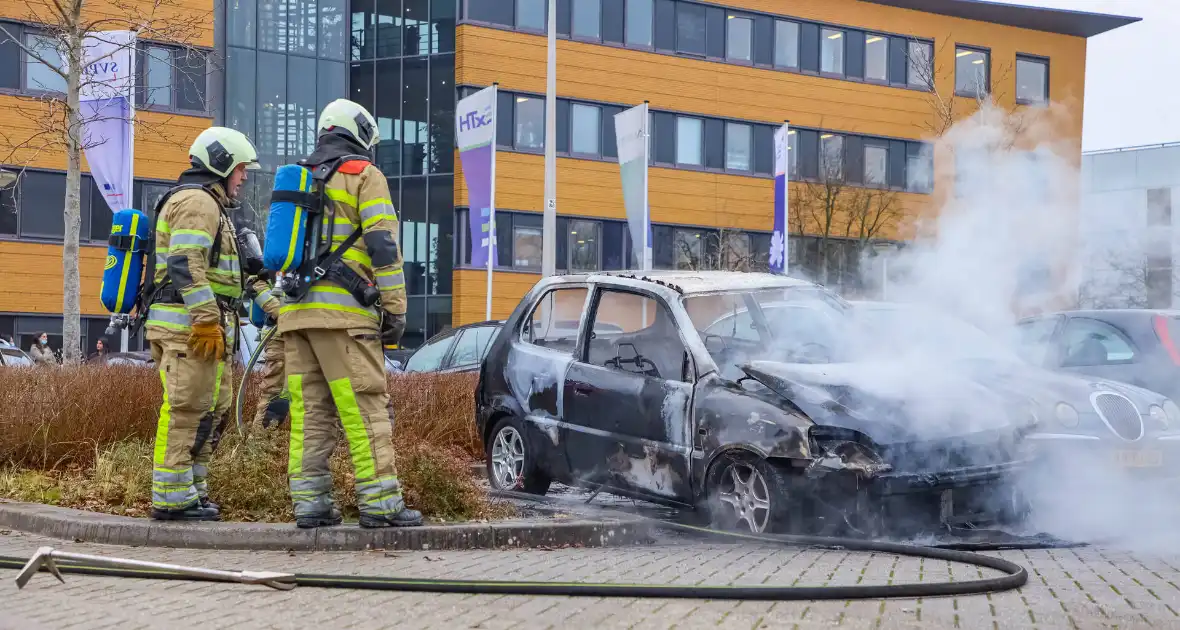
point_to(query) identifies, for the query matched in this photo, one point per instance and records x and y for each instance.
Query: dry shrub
(81, 436)
(58, 417)
(436, 409)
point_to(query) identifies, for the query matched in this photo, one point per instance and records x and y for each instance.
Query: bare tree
(947, 105)
(836, 212)
(56, 120)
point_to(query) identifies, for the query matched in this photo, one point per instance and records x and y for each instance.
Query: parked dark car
(678, 409)
(1136, 346)
(455, 350)
(1087, 413)
(137, 358)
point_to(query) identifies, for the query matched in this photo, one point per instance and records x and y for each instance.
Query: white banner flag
(107, 107)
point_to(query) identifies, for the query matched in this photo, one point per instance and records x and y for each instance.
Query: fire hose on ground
(61, 562)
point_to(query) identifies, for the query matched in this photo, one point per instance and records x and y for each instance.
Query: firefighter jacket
(360, 196)
(185, 231)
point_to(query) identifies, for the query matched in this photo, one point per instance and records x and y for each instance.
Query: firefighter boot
(195, 513)
(404, 517)
(327, 519)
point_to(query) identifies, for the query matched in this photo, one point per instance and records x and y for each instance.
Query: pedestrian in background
(41, 352)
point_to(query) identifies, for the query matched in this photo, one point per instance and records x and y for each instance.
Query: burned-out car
(676, 409)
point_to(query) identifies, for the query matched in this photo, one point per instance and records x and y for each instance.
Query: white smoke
(1003, 245)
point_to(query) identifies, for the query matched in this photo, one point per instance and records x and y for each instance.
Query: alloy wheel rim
(744, 490)
(507, 457)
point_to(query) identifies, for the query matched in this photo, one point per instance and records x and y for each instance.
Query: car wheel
(748, 494)
(512, 461)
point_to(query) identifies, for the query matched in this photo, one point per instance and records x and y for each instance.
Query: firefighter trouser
(274, 376)
(336, 381)
(197, 401)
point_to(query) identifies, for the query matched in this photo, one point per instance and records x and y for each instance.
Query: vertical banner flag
(631, 138)
(476, 134)
(107, 108)
(778, 240)
(475, 122)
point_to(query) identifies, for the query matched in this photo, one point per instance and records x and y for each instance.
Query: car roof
(690, 282)
(1110, 313)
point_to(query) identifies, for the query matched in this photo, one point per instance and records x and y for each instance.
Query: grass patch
(81, 437)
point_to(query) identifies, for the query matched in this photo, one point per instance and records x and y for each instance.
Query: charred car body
(672, 410)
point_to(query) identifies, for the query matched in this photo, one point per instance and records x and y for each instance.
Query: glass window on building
(831, 51)
(333, 36)
(792, 153)
(587, 19)
(919, 168)
(8, 210)
(526, 242)
(416, 28)
(876, 163)
(415, 117)
(920, 65)
(586, 121)
(639, 22)
(241, 16)
(738, 146)
(302, 112)
(971, 72)
(876, 57)
(490, 11)
(583, 245)
(1032, 80)
(831, 150)
(440, 216)
(786, 44)
(530, 14)
(157, 76)
(689, 140)
(688, 249)
(530, 123)
(690, 28)
(739, 38)
(271, 137)
(240, 84)
(39, 76)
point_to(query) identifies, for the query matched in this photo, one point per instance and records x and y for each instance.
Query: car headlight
(1067, 415)
(1173, 412)
(1159, 416)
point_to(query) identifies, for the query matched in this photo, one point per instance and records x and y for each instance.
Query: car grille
(1119, 414)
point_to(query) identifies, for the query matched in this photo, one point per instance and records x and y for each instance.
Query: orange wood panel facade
(32, 275)
(186, 21)
(613, 74)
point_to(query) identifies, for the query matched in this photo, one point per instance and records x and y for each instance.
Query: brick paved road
(1082, 588)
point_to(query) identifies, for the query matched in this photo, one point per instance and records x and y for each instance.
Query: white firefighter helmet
(348, 116)
(220, 149)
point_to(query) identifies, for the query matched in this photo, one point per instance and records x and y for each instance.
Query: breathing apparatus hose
(241, 397)
(1014, 576)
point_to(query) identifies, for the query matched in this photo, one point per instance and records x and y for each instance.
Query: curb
(108, 529)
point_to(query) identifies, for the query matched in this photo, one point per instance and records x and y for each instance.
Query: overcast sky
(1132, 72)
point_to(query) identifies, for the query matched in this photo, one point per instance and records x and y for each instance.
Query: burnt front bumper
(968, 496)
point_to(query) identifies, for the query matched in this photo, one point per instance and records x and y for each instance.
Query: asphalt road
(1068, 588)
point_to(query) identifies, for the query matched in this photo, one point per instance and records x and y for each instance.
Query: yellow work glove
(207, 341)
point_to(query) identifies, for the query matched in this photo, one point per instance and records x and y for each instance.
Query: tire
(509, 449)
(756, 499)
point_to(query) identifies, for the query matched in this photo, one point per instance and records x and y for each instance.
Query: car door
(627, 398)
(1097, 348)
(430, 357)
(469, 349)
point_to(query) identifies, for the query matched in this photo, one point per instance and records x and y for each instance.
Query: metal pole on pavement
(549, 221)
(492, 253)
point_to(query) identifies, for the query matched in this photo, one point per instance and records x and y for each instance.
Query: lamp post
(549, 218)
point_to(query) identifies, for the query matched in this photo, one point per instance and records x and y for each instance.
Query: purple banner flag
(476, 133)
